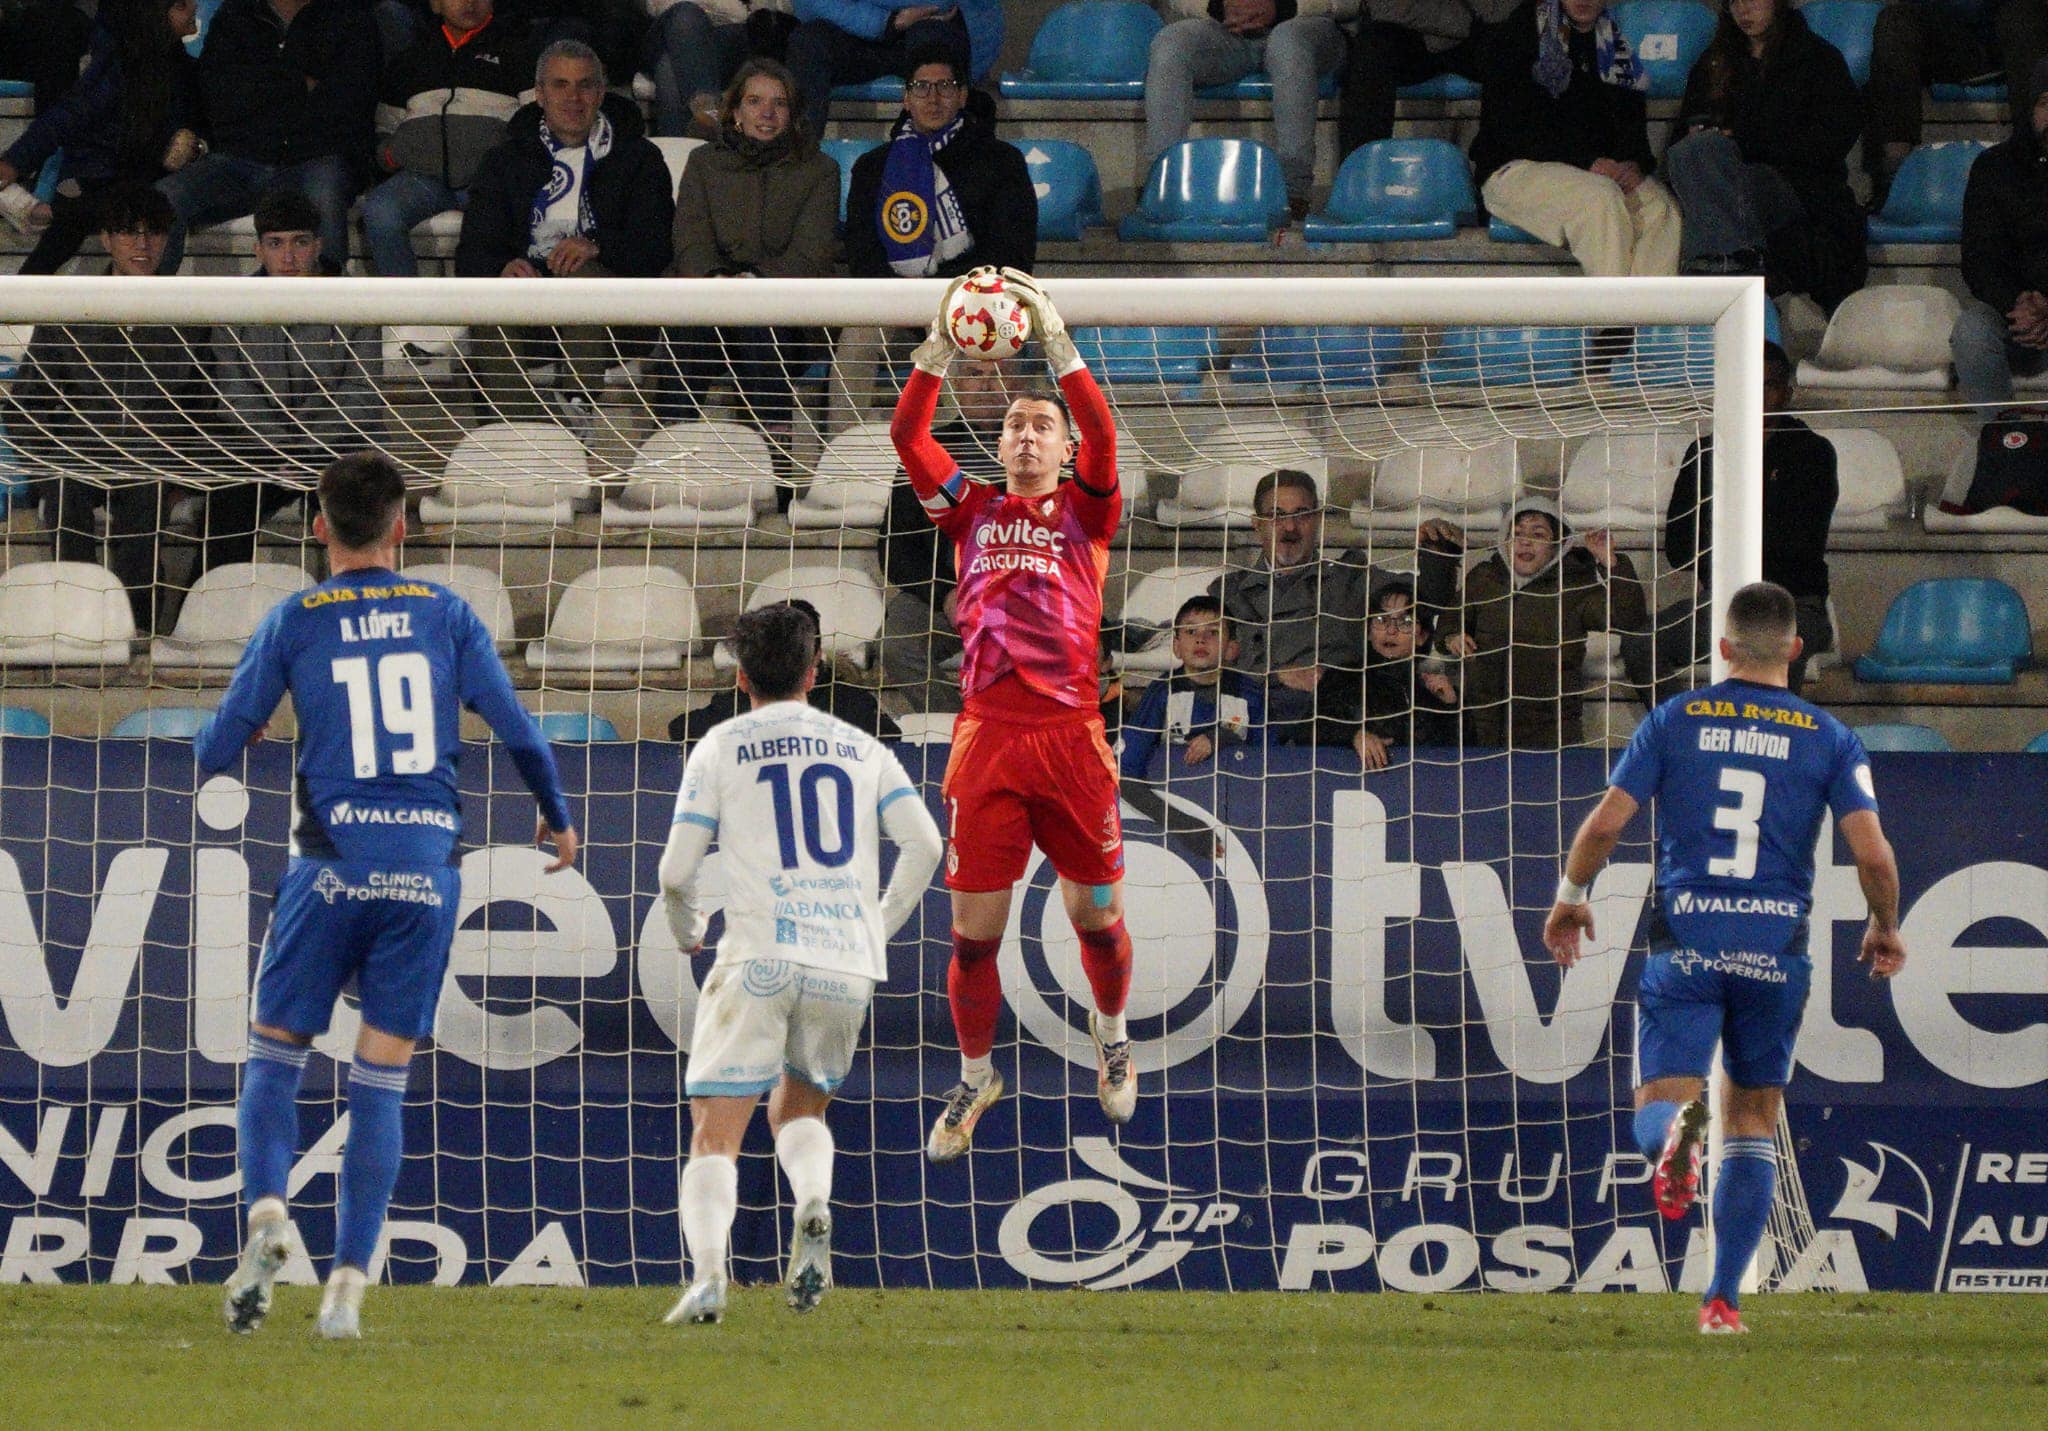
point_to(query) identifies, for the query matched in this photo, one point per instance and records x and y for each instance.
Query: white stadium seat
(850, 487)
(63, 613)
(848, 599)
(425, 352)
(1870, 479)
(675, 151)
(1890, 336)
(1466, 485)
(517, 473)
(695, 475)
(622, 618)
(1218, 491)
(1623, 480)
(221, 613)
(1152, 600)
(1962, 474)
(926, 727)
(477, 585)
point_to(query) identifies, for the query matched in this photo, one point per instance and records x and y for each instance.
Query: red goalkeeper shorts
(1009, 787)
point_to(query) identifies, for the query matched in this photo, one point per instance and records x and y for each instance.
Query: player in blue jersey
(378, 668)
(1742, 773)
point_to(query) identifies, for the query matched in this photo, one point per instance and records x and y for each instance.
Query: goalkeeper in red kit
(1030, 764)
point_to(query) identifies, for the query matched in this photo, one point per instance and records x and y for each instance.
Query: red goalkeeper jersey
(1029, 600)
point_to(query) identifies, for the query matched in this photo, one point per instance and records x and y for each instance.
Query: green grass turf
(150, 1356)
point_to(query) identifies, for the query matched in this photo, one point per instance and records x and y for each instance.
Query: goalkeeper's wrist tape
(1569, 893)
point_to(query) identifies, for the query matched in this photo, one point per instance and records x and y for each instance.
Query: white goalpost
(1361, 1071)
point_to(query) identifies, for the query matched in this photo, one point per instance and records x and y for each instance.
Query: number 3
(1740, 819)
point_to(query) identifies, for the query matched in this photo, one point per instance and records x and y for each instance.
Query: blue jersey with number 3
(1741, 774)
(379, 668)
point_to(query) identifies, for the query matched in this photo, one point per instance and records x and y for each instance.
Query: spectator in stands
(43, 42)
(958, 197)
(1202, 706)
(1800, 488)
(855, 41)
(1404, 42)
(289, 89)
(759, 201)
(445, 105)
(1563, 148)
(130, 116)
(1523, 624)
(1759, 156)
(297, 395)
(2003, 328)
(853, 704)
(95, 403)
(694, 47)
(1205, 44)
(613, 29)
(1299, 619)
(576, 190)
(1923, 42)
(1408, 698)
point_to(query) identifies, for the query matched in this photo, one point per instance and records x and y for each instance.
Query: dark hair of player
(777, 647)
(1762, 620)
(286, 211)
(1051, 397)
(361, 495)
(1264, 495)
(1202, 604)
(126, 207)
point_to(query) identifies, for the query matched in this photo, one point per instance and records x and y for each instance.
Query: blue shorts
(386, 926)
(1750, 1003)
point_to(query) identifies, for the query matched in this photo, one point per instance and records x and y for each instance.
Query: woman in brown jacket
(759, 201)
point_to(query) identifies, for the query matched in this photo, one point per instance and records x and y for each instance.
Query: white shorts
(760, 1018)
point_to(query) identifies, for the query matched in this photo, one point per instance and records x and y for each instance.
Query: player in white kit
(796, 801)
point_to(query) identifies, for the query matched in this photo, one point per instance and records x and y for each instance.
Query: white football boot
(245, 1300)
(703, 1305)
(341, 1307)
(810, 1261)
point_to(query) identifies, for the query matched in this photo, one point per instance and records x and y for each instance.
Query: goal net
(1359, 1068)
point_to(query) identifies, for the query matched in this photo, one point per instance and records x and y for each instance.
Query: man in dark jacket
(944, 195)
(1404, 42)
(1563, 148)
(445, 104)
(576, 190)
(2003, 328)
(290, 92)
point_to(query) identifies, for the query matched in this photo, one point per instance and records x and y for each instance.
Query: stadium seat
(1291, 358)
(1258, 87)
(63, 613)
(1961, 476)
(1466, 485)
(850, 487)
(1210, 191)
(221, 613)
(926, 727)
(1888, 336)
(884, 89)
(1068, 186)
(1445, 86)
(1149, 605)
(1093, 49)
(1993, 92)
(14, 480)
(427, 352)
(162, 723)
(1925, 204)
(511, 472)
(1870, 479)
(619, 619)
(676, 151)
(1398, 189)
(480, 586)
(1219, 491)
(1667, 36)
(1172, 357)
(1963, 630)
(1623, 480)
(2037, 746)
(696, 475)
(1504, 356)
(575, 727)
(1901, 735)
(1501, 231)
(844, 152)
(14, 341)
(20, 720)
(16, 89)
(196, 42)
(849, 603)
(1848, 25)
(1667, 357)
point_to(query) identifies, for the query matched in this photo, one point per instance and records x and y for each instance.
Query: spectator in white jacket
(693, 48)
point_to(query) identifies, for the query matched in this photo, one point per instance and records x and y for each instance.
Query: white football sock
(976, 1072)
(804, 1148)
(1110, 1027)
(711, 1194)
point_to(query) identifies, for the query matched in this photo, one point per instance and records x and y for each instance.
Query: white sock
(711, 1194)
(1110, 1027)
(804, 1148)
(976, 1072)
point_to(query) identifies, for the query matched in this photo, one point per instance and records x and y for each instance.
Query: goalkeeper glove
(937, 349)
(1045, 322)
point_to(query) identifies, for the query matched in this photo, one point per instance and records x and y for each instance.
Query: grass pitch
(158, 1356)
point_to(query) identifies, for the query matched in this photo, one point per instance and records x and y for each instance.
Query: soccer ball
(986, 322)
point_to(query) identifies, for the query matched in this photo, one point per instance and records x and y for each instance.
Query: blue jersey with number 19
(379, 668)
(1741, 774)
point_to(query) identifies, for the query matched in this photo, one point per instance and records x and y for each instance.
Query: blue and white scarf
(919, 217)
(1612, 58)
(567, 184)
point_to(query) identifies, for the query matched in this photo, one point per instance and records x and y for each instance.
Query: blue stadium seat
(1964, 630)
(1443, 86)
(1092, 49)
(1668, 357)
(1501, 231)
(1259, 85)
(16, 89)
(886, 90)
(1176, 357)
(1902, 735)
(1210, 191)
(45, 186)
(1667, 36)
(207, 10)
(163, 722)
(1993, 93)
(14, 483)
(1847, 25)
(1069, 188)
(2037, 746)
(1347, 357)
(844, 152)
(575, 727)
(1395, 189)
(1505, 356)
(1925, 204)
(19, 720)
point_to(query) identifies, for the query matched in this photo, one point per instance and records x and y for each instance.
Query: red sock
(975, 987)
(1106, 958)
